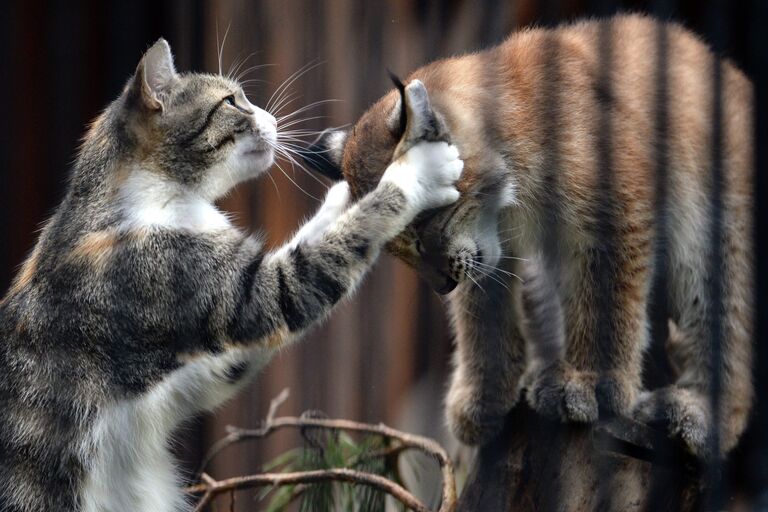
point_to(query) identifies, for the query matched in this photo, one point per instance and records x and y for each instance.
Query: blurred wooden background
(385, 355)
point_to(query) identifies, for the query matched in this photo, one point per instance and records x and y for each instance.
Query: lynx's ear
(421, 121)
(155, 75)
(325, 154)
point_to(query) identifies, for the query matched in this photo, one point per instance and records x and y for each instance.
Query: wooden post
(537, 465)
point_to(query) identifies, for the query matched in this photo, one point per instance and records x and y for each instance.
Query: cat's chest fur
(127, 461)
(147, 200)
(129, 466)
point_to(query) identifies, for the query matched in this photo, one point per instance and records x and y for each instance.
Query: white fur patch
(426, 174)
(335, 144)
(130, 467)
(335, 204)
(149, 200)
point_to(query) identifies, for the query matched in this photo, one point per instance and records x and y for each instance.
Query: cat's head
(198, 130)
(448, 245)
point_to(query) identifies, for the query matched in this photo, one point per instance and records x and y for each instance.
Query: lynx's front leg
(606, 329)
(488, 362)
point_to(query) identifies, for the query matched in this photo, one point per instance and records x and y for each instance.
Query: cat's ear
(155, 76)
(325, 154)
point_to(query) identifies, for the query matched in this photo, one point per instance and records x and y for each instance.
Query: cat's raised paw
(684, 412)
(427, 174)
(336, 200)
(560, 392)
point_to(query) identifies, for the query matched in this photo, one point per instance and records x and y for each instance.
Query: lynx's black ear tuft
(422, 122)
(325, 154)
(399, 116)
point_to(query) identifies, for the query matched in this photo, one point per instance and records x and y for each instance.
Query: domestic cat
(528, 117)
(141, 305)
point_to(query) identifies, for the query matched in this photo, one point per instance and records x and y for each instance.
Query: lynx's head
(448, 245)
(194, 131)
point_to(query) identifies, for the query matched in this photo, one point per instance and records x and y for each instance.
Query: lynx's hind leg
(686, 406)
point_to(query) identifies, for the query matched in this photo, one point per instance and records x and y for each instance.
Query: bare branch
(211, 488)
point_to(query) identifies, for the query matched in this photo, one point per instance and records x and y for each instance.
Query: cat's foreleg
(336, 202)
(285, 292)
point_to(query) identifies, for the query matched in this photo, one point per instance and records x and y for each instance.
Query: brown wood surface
(618, 465)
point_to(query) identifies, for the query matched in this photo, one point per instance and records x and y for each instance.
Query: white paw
(335, 204)
(427, 174)
(336, 201)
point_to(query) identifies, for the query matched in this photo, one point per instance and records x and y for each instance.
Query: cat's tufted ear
(325, 154)
(155, 75)
(417, 119)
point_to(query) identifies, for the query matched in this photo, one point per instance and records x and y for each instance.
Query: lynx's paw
(685, 412)
(559, 391)
(616, 393)
(473, 419)
(427, 174)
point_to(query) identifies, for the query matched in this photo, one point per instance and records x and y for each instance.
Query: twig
(211, 488)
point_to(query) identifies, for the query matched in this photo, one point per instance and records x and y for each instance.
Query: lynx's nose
(440, 281)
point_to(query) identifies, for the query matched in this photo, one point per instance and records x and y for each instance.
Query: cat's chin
(259, 161)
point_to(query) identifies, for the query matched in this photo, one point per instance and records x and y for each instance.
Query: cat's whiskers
(282, 88)
(237, 63)
(283, 102)
(220, 47)
(305, 108)
(287, 154)
(298, 121)
(245, 72)
(277, 164)
(274, 184)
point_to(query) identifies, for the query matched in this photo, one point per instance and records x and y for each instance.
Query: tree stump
(536, 465)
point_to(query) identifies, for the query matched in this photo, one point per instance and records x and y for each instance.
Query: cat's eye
(230, 100)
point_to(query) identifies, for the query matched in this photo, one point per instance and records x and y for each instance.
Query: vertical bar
(546, 432)
(759, 63)
(715, 494)
(665, 485)
(604, 296)
(6, 37)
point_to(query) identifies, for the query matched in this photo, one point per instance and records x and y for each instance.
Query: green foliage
(325, 449)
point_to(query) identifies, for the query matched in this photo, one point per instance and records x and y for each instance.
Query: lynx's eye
(230, 100)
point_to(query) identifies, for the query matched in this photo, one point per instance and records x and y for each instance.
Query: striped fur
(141, 305)
(528, 115)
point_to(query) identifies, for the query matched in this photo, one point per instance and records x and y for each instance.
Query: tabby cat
(141, 305)
(527, 117)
